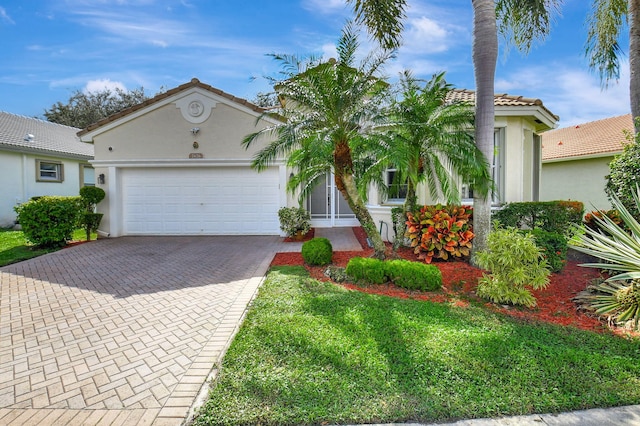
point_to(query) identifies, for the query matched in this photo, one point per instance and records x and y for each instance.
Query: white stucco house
(174, 165)
(39, 158)
(575, 160)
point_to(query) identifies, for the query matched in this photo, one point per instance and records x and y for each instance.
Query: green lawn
(15, 248)
(314, 353)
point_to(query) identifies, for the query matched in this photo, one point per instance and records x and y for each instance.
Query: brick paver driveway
(122, 331)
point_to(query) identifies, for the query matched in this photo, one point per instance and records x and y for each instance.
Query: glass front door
(327, 206)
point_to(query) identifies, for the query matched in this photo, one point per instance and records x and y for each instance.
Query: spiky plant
(619, 249)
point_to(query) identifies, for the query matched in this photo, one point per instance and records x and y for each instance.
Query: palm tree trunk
(346, 184)
(634, 59)
(485, 56)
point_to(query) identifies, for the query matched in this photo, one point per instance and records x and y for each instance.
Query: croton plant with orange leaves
(440, 232)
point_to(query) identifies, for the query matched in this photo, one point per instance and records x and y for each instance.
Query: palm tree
(522, 22)
(432, 141)
(605, 23)
(328, 116)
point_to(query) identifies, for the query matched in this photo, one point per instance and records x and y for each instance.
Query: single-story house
(39, 158)
(174, 165)
(575, 160)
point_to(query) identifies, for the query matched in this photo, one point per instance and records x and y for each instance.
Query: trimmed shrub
(317, 251)
(49, 221)
(89, 197)
(294, 220)
(367, 269)
(440, 232)
(413, 275)
(514, 262)
(550, 216)
(553, 246)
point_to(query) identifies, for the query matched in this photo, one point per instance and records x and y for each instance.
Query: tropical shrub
(551, 216)
(294, 220)
(49, 221)
(624, 176)
(619, 301)
(619, 249)
(89, 197)
(590, 218)
(440, 232)
(554, 248)
(514, 262)
(367, 269)
(317, 251)
(413, 275)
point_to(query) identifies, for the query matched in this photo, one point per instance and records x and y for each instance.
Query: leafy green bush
(440, 232)
(553, 246)
(367, 269)
(317, 251)
(413, 275)
(624, 175)
(551, 216)
(49, 221)
(89, 197)
(514, 262)
(294, 220)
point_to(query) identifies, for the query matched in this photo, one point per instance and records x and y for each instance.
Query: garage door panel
(200, 201)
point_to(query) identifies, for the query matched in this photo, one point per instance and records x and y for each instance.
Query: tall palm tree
(522, 22)
(328, 116)
(432, 141)
(605, 23)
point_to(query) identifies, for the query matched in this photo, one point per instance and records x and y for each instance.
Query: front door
(327, 206)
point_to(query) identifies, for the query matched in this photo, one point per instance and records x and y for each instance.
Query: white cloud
(4, 16)
(574, 94)
(102, 85)
(325, 7)
(424, 35)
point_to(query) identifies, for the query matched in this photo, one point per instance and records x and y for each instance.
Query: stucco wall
(19, 182)
(579, 180)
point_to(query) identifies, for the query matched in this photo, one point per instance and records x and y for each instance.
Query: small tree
(624, 175)
(89, 197)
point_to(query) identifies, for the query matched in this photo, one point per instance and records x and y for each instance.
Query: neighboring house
(174, 165)
(575, 160)
(39, 158)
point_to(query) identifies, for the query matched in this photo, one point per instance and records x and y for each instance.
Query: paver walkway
(125, 331)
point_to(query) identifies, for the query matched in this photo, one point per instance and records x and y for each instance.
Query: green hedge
(550, 216)
(403, 273)
(49, 221)
(317, 251)
(553, 246)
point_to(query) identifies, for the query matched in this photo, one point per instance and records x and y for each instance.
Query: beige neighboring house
(174, 165)
(39, 158)
(575, 160)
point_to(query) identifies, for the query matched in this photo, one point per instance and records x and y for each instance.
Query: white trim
(193, 162)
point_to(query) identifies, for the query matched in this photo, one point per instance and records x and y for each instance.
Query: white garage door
(200, 201)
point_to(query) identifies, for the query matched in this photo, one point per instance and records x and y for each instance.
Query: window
(397, 189)
(497, 171)
(49, 171)
(87, 175)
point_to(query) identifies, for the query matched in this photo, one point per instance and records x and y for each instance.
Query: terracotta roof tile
(51, 138)
(193, 83)
(589, 139)
(500, 99)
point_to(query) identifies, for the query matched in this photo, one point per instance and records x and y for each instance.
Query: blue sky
(51, 48)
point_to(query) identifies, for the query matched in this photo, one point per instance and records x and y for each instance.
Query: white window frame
(497, 170)
(83, 167)
(55, 175)
(388, 181)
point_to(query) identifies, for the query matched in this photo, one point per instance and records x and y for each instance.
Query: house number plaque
(196, 155)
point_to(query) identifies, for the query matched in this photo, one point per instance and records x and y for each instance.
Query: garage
(214, 200)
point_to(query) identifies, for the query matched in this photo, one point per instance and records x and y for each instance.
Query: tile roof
(595, 138)
(193, 83)
(47, 138)
(500, 100)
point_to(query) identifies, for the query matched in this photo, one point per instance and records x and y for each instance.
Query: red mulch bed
(309, 235)
(459, 283)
